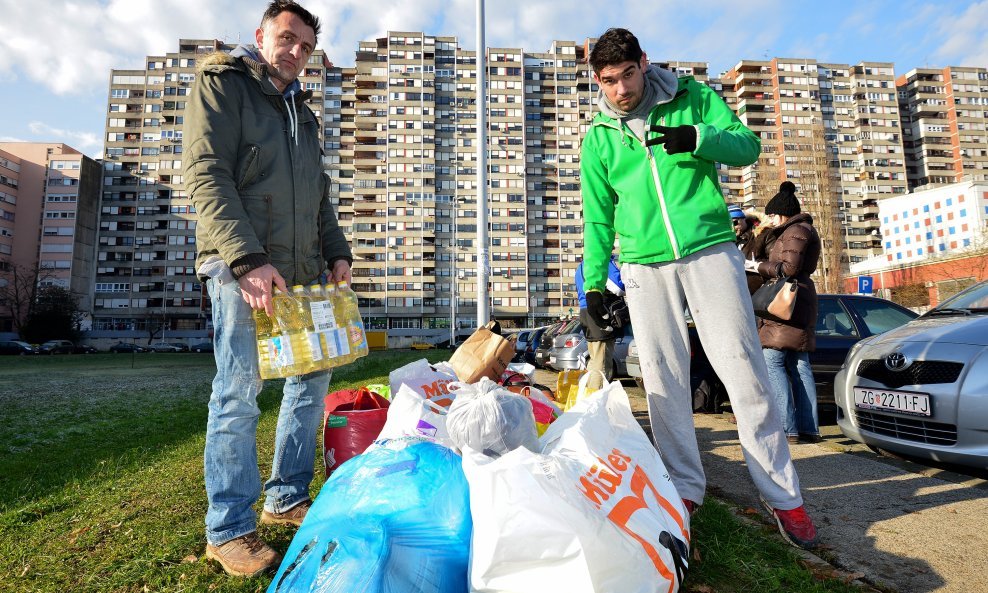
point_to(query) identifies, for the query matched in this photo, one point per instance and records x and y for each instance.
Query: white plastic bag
(413, 416)
(595, 511)
(430, 381)
(490, 419)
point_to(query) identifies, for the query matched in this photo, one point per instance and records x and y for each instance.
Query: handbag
(353, 419)
(776, 299)
(484, 354)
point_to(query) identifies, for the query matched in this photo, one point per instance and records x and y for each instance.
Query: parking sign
(865, 284)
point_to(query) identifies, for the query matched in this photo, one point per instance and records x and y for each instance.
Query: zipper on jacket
(248, 174)
(653, 165)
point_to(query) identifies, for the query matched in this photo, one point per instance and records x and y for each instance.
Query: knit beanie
(784, 203)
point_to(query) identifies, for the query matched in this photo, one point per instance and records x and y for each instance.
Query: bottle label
(322, 315)
(336, 343)
(281, 351)
(344, 343)
(314, 346)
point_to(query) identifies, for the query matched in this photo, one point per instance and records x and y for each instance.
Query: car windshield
(881, 316)
(972, 300)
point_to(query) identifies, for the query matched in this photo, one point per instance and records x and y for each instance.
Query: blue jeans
(233, 480)
(792, 382)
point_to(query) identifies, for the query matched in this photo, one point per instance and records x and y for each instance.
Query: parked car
(16, 347)
(163, 347)
(123, 347)
(57, 347)
(85, 349)
(533, 343)
(524, 337)
(842, 321)
(922, 389)
(202, 347)
(570, 351)
(545, 342)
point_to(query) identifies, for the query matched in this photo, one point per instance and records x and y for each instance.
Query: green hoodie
(662, 207)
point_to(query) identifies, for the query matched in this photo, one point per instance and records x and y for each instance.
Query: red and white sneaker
(794, 525)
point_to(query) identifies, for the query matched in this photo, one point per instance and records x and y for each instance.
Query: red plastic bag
(353, 419)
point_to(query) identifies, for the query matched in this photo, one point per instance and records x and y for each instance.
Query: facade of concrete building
(945, 125)
(48, 220)
(145, 277)
(832, 129)
(935, 222)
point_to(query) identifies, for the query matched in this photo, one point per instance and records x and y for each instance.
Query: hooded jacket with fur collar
(253, 170)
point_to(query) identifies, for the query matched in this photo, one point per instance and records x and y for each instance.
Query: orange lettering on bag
(621, 514)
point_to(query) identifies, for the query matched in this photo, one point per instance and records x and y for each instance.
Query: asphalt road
(901, 525)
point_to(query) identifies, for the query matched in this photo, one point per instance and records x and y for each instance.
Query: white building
(933, 222)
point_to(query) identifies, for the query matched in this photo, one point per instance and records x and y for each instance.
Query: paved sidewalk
(906, 527)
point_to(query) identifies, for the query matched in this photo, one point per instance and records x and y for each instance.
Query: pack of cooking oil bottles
(314, 328)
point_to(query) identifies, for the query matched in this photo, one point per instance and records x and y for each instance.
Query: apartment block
(944, 118)
(832, 129)
(49, 194)
(145, 274)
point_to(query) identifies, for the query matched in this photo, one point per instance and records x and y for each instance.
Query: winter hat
(735, 211)
(784, 203)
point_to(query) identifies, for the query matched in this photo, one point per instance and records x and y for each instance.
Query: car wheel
(707, 397)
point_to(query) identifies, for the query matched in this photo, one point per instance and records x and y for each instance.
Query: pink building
(49, 196)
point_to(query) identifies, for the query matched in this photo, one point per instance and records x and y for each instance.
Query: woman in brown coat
(794, 252)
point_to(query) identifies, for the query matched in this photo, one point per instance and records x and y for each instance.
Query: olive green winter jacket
(253, 169)
(662, 207)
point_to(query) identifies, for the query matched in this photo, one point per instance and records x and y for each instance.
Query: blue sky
(55, 56)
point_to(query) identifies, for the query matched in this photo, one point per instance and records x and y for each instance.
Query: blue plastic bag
(393, 520)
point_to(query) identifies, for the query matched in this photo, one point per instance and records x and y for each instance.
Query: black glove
(597, 311)
(676, 139)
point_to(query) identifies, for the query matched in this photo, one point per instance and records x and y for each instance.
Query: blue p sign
(865, 284)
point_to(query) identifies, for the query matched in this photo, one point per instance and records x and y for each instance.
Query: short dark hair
(615, 46)
(279, 6)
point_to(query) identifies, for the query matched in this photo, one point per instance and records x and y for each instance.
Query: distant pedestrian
(649, 176)
(795, 252)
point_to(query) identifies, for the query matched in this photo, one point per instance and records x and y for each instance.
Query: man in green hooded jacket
(648, 174)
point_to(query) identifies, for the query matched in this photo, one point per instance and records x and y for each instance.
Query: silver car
(569, 351)
(922, 389)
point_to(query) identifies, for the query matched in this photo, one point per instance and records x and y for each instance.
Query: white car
(922, 389)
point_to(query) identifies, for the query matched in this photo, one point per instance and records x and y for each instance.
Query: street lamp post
(483, 310)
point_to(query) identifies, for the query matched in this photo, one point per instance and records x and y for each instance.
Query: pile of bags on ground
(464, 476)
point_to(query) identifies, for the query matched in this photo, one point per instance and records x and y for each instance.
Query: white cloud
(964, 41)
(81, 140)
(11, 139)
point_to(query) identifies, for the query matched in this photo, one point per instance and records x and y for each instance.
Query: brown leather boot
(292, 516)
(244, 556)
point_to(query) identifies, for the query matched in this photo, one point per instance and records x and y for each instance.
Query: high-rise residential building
(832, 129)
(145, 275)
(944, 119)
(49, 194)
(401, 142)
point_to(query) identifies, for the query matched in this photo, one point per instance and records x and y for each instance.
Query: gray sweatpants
(712, 284)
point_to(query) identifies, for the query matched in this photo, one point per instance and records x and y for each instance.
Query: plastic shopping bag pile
(459, 493)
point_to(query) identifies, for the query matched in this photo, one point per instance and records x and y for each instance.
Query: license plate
(552, 360)
(917, 404)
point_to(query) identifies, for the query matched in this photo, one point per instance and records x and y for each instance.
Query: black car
(842, 320)
(533, 343)
(84, 349)
(16, 347)
(57, 347)
(202, 347)
(124, 347)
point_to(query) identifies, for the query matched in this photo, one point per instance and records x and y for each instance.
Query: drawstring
(292, 116)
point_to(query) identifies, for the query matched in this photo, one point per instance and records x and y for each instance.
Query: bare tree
(20, 291)
(821, 198)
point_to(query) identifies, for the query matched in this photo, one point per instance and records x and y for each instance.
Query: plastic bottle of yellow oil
(350, 317)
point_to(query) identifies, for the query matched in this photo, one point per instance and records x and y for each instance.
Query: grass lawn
(101, 470)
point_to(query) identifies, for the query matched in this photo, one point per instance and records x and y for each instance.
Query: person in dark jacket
(253, 170)
(794, 252)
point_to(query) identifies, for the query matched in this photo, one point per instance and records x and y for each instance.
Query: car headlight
(854, 350)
